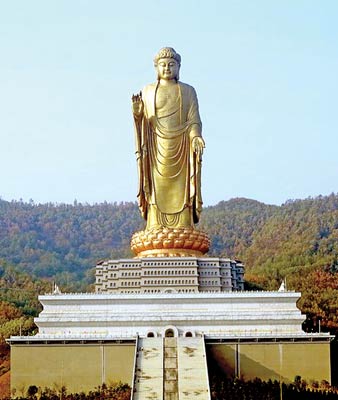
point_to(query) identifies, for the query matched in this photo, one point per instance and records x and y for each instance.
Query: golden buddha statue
(169, 147)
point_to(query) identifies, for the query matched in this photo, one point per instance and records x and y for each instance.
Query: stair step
(171, 369)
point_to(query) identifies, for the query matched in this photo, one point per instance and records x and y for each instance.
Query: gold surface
(274, 360)
(169, 253)
(169, 147)
(166, 242)
(82, 367)
(78, 367)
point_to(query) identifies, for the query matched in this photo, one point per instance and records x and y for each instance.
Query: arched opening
(169, 333)
(150, 334)
(188, 334)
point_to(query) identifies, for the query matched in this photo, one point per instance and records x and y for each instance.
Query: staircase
(148, 380)
(171, 369)
(193, 381)
(170, 382)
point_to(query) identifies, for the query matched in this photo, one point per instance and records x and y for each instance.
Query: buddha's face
(167, 68)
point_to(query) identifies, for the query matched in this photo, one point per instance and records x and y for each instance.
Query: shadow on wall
(227, 359)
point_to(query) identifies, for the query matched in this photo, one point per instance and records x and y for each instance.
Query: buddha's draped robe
(169, 171)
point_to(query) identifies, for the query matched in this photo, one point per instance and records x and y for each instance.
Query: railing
(134, 369)
(163, 366)
(84, 337)
(206, 366)
(197, 294)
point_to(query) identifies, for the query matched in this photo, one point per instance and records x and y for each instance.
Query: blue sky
(265, 73)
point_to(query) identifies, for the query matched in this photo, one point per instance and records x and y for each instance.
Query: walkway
(171, 369)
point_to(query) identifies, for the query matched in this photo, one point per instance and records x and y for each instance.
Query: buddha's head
(167, 63)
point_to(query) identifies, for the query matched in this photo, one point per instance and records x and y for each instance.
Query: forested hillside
(297, 241)
(64, 241)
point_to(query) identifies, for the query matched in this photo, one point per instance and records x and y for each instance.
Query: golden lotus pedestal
(170, 242)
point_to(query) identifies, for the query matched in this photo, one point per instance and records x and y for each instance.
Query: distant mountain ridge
(297, 241)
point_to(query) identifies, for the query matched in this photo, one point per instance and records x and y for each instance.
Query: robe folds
(169, 171)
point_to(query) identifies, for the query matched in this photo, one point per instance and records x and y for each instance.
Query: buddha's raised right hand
(137, 104)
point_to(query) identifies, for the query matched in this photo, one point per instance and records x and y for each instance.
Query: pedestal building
(158, 323)
(169, 275)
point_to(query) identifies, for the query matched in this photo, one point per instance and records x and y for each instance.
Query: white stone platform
(193, 380)
(168, 332)
(214, 315)
(148, 378)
